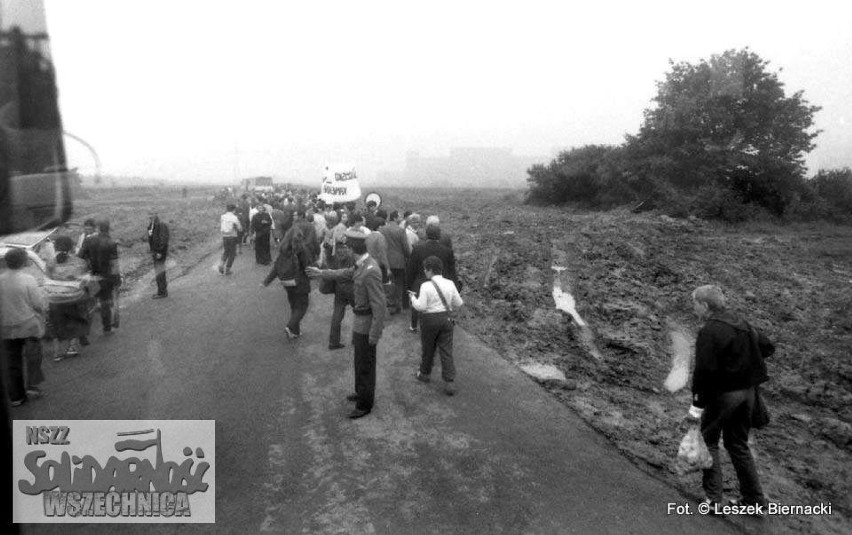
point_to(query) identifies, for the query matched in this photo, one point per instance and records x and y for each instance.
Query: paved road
(502, 456)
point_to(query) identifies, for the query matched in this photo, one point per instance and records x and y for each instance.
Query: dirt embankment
(632, 276)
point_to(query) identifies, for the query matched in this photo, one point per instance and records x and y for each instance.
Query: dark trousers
(729, 415)
(299, 301)
(230, 253)
(105, 298)
(160, 270)
(261, 248)
(436, 334)
(15, 368)
(337, 315)
(365, 371)
(400, 297)
(33, 356)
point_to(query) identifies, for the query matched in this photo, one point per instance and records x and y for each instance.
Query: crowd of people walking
(371, 261)
(378, 264)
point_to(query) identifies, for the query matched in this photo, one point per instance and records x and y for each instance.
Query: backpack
(225, 225)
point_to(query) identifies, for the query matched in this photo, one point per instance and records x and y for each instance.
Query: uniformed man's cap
(354, 234)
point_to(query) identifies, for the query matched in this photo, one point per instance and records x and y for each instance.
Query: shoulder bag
(451, 314)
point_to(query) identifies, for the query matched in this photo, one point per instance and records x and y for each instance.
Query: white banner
(340, 184)
(114, 471)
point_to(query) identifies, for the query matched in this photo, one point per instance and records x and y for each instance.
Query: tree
(834, 187)
(589, 175)
(726, 122)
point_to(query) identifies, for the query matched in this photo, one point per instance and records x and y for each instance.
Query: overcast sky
(209, 90)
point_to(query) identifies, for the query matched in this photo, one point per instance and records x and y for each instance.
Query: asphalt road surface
(502, 456)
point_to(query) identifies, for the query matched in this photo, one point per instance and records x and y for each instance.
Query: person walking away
(101, 253)
(278, 216)
(242, 213)
(321, 227)
(338, 233)
(729, 365)
(69, 323)
(370, 310)
(435, 300)
(398, 252)
(414, 275)
(23, 306)
(377, 246)
(344, 292)
(293, 252)
(230, 228)
(261, 226)
(158, 243)
(446, 240)
(309, 232)
(412, 226)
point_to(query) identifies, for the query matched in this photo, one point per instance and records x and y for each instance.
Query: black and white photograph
(454, 267)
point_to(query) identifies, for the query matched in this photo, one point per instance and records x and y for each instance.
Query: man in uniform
(370, 310)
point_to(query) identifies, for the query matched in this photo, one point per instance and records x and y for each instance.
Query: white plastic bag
(693, 454)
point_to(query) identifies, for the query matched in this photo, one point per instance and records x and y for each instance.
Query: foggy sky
(212, 90)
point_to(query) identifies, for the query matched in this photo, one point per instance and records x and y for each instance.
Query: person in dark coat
(101, 253)
(299, 289)
(158, 242)
(414, 275)
(261, 226)
(729, 365)
(398, 251)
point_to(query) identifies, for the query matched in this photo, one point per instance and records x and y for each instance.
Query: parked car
(39, 250)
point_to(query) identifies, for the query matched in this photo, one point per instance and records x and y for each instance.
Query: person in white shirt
(438, 296)
(230, 227)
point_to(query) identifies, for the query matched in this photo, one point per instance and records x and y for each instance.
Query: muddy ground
(631, 276)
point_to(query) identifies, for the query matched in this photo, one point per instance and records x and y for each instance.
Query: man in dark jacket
(101, 253)
(414, 275)
(261, 226)
(158, 242)
(729, 364)
(398, 251)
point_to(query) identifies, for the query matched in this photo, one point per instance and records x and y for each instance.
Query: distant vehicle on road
(259, 184)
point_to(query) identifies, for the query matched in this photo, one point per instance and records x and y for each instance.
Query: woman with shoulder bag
(437, 302)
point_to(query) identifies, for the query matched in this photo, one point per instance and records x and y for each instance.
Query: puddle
(681, 350)
(566, 303)
(543, 372)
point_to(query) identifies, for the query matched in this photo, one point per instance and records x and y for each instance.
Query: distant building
(470, 167)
